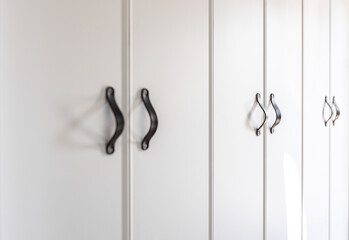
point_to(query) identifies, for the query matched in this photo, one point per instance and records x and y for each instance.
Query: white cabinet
(257, 179)
(209, 68)
(316, 136)
(283, 148)
(325, 187)
(57, 57)
(339, 143)
(238, 152)
(293, 183)
(169, 181)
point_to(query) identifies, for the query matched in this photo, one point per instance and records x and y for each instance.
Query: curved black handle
(153, 119)
(277, 113)
(258, 99)
(323, 111)
(119, 119)
(338, 112)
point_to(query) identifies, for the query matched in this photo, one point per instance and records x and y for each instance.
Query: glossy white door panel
(169, 181)
(56, 180)
(238, 152)
(284, 146)
(339, 132)
(316, 135)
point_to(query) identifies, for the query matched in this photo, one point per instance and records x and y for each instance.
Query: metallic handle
(277, 113)
(323, 112)
(119, 119)
(338, 112)
(153, 119)
(258, 99)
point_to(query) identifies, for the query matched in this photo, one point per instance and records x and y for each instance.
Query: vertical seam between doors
(1, 119)
(302, 128)
(329, 128)
(129, 152)
(126, 105)
(265, 126)
(1, 113)
(211, 119)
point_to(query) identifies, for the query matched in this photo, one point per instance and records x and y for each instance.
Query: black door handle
(323, 111)
(338, 112)
(119, 119)
(259, 101)
(277, 113)
(153, 119)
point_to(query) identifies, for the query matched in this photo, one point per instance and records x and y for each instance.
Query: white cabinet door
(284, 147)
(316, 135)
(170, 180)
(57, 182)
(339, 131)
(238, 152)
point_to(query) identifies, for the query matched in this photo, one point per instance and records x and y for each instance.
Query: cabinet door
(316, 135)
(169, 181)
(284, 146)
(56, 180)
(238, 152)
(339, 131)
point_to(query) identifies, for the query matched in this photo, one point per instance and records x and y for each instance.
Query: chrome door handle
(258, 99)
(153, 119)
(277, 113)
(119, 119)
(323, 111)
(338, 112)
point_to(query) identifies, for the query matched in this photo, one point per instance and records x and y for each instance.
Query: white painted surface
(57, 57)
(56, 181)
(316, 135)
(170, 180)
(238, 152)
(339, 132)
(284, 146)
